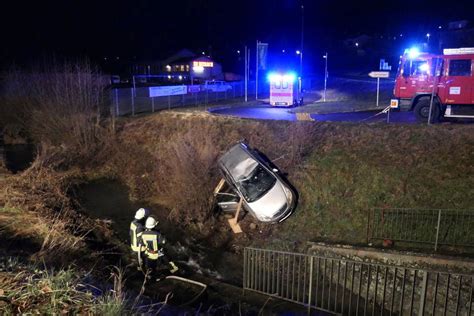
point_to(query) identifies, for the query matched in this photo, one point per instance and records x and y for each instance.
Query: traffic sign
(379, 74)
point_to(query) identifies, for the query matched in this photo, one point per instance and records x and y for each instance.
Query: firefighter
(137, 227)
(153, 243)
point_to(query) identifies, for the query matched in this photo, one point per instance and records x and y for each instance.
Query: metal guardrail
(428, 226)
(356, 288)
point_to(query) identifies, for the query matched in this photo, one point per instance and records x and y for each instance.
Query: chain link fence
(130, 101)
(349, 287)
(437, 227)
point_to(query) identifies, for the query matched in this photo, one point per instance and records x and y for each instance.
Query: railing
(429, 226)
(356, 288)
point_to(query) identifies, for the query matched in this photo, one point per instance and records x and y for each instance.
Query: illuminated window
(460, 67)
(187, 67)
(277, 84)
(284, 84)
(181, 67)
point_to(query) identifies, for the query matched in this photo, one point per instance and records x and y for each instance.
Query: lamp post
(302, 40)
(325, 75)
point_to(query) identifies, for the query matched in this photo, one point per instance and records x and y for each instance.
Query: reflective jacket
(153, 243)
(136, 229)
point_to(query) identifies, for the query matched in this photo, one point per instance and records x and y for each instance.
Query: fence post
(421, 311)
(152, 104)
(117, 110)
(368, 224)
(437, 231)
(133, 101)
(310, 289)
(169, 102)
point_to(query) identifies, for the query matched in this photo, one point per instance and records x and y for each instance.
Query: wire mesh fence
(131, 101)
(427, 226)
(356, 288)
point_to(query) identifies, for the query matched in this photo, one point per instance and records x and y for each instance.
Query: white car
(263, 192)
(217, 86)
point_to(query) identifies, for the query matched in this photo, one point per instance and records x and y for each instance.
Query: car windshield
(259, 182)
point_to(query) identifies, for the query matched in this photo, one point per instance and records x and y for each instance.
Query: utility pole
(325, 75)
(302, 41)
(246, 72)
(256, 72)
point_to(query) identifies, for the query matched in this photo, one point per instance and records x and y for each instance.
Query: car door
(459, 81)
(415, 77)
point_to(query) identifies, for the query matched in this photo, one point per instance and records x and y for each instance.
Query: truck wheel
(422, 110)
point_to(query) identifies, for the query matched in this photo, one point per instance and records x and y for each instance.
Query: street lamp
(325, 75)
(298, 52)
(302, 40)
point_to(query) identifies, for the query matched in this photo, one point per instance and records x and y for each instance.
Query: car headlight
(288, 193)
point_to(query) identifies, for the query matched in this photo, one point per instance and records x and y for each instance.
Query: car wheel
(422, 110)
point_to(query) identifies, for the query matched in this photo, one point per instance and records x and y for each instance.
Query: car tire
(422, 110)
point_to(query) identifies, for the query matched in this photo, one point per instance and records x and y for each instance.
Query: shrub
(59, 105)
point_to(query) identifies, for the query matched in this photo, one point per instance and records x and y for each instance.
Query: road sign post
(378, 75)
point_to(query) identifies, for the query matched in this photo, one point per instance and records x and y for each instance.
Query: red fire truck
(449, 78)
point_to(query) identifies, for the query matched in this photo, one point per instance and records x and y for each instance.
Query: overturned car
(255, 185)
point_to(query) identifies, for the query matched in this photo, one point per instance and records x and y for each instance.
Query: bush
(59, 105)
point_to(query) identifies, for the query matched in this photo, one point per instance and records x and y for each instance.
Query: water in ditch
(17, 157)
(109, 200)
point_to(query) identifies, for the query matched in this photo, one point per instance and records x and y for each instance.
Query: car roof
(238, 162)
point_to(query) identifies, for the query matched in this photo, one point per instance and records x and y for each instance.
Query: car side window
(460, 67)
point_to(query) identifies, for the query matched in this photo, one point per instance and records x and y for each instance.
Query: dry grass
(35, 206)
(172, 160)
(52, 292)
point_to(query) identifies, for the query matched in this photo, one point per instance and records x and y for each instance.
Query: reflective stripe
(136, 230)
(150, 241)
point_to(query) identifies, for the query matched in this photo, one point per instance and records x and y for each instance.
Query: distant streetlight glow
(204, 53)
(298, 52)
(357, 44)
(428, 35)
(238, 51)
(440, 27)
(283, 51)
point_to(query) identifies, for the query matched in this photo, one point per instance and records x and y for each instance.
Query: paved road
(266, 112)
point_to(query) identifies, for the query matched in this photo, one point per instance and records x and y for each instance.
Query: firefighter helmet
(141, 213)
(151, 222)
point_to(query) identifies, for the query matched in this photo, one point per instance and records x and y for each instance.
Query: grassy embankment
(339, 170)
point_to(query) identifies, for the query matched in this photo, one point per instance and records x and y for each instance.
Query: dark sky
(150, 29)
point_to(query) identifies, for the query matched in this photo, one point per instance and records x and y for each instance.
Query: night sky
(153, 29)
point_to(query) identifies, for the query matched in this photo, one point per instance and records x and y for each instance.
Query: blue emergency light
(413, 52)
(277, 77)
